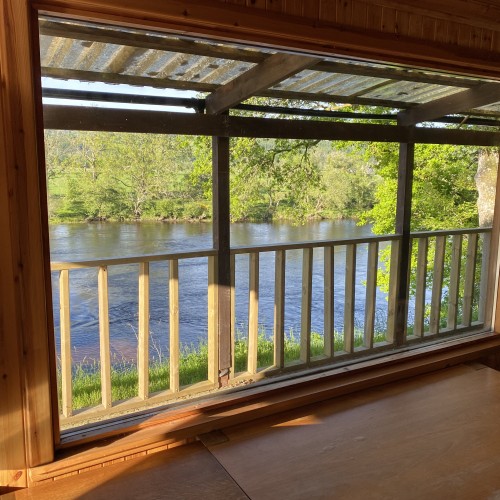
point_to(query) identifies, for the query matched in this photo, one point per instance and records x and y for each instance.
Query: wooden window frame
(23, 220)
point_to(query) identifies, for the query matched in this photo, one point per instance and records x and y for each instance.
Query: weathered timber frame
(29, 426)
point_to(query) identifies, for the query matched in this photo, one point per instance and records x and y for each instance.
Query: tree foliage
(134, 176)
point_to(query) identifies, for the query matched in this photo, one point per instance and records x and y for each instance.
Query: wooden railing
(448, 294)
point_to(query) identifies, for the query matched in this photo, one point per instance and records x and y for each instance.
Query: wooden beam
(118, 79)
(476, 97)
(403, 217)
(139, 121)
(274, 69)
(221, 243)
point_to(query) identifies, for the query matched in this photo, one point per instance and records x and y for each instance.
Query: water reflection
(70, 242)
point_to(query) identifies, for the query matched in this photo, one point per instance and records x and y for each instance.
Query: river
(84, 241)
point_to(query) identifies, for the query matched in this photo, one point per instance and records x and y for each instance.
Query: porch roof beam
(271, 71)
(475, 97)
(140, 121)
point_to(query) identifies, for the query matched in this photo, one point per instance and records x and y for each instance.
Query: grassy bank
(193, 367)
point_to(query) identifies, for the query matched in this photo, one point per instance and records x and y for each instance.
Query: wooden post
(28, 418)
(403, 217)
(221, 242)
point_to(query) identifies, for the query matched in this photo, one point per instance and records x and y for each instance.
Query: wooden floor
(432, 437)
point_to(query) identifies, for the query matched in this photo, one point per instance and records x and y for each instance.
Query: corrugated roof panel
(411, 92)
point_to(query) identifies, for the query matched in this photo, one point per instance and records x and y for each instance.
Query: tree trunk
(486, 178)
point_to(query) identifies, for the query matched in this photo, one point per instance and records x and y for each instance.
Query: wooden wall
(462, 36)
(26, 425)
(470, 24)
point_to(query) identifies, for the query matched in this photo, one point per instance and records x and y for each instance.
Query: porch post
(221, 242)
(403, 254)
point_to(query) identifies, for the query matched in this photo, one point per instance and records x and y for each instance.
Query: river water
(71, 242)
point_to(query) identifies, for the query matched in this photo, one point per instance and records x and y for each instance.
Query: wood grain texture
(186, 472)
(440, 429)
(22, 176)
(277, 26)
(104, 349)
(225, 409)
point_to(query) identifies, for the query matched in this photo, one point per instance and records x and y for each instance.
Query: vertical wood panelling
(437, 284)
(174, 341)
(305, 309)
(328, 10)
(12, 451)
(253, 311)
(371, 294)
(329, 309)
(279, 308)
(350, 297)
(470, 271)
(415, 26)
(402, 23)
(428, 28)
(65, 329)
(104, 352)
(389, 20)
(374, 17)
(441, 34)
(454, 287)
(143, 337)
(420, 287)
(23, 176)
(359, 14)
(344, 11)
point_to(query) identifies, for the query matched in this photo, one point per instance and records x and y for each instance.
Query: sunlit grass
(193, 366)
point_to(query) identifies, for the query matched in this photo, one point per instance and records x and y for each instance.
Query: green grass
(193, 367)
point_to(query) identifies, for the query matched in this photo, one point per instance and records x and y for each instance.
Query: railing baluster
(65, 326)
(213, 338)
(173, 299)
(104, 337)
(437, 284)
(350, 298)
(143, 340)
(253, 312)
(371, 295)
(305, 321)
(483, 287)
(329, 311)
(393, 291)
(470, 271)
(279, 308)
(421, 286)
(232, 284)
(453, 290)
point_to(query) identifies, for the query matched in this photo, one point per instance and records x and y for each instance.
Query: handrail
(138, 259)
(465, 278)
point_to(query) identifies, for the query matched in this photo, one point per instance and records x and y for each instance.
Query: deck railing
(448, 296)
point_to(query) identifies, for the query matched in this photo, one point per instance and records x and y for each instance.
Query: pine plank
(348, 448)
